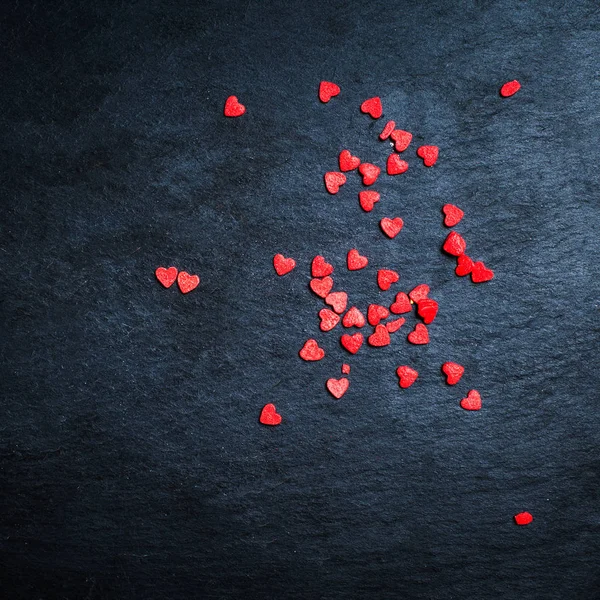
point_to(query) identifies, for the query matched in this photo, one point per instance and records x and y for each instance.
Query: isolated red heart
(453, 215)
(395, 165)
(393, 326)
(367, 200)
(472, 401)
(328, 319)
(346, 369)
(333, 181)
(419, 335)
(453, 372)
(387, 130)
(233, 108)
(402, 139)
(385, 278)
(419, 292)
(320, 267)
(429, 154)
(321, 287)
(401, 304)
(337, 300)
(369, 173)
(187, 282)
(353, 318)
(407, 376)
(376, 313)
(283, 265)
(311, 351)
(523, 518)
(352, 343)
(455, 244)
(166, 276)
(480, 273)
(464, 265)
(381, 337)
(347, 161)
(337, 387)
(427, 309)
(391, 227)
(327, 90)
(356, 261)
(269, 416)
(510, 88)
(372, 107)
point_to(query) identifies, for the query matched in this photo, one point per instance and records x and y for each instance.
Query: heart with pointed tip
(187, 282)
(337, 387)
(454, 244)
(395, 165)
(391, 227)
(166, 277)
(381, 337)
(472, 401)
(311, 351)
(407, 376)
(419, 335)
(372, 107)
(320, 267)
(283, 265)
(328, 319)
(233, 108)
(353, 318)
(337, 300)
(369, 173)
(368, 199)
(333, 181)
(269, 416)
(321, 287)
(481, 273)
(376, 313)
(453, 372)
(429, 154)
(402, 139)
(452, 215)
(464, 265)
(385, 278)
(427, 309)
(352, 343)
(347, 161)
(327, 90)
(355, 261)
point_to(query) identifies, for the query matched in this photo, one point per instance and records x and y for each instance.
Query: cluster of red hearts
(185, 281)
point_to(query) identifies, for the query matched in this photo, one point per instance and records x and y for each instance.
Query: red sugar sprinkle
(347, 161)
(523, 518)
(376, 313)
(369, 173)
(389, 127)
(407, 376)
(187, 282)
(233, 108)
(429, 154)
(338, 301)
(510, 88)
(453, 215)
(464, 265)
(391, 227)
(328, 319)
(352, 343)
(337, 387)
(321, 287)
(427, 309)
(166, 277)
(395, 165)
(333, 181)
(453, 372)
(320, 267)
(472, 401)
(455, 244)
(402, 139)
(283, 265)
(353, 318)
(327, 90)
(393, 326)
(481, 273)
(346, 369)
(368, 199)
(419, 335)
(372, 107)
(385, 278)
(381, 337)
(269, 416)
(356, 261)
(311, 351)
(419, 292)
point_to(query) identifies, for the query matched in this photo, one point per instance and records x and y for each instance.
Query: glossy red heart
(481, 273)
(395, 165)
(327, 90)
(337, 387)
(320, 267)
(338, 301)
(311, 351)
(401, 304)
(407, 376)
(387, 130)
(472, 401)
(321, 287)
(353, 318)
(283, 265)
(368, 199)
(464, 265)
(376, 313)
(419, 335)
(352, 343)
(453, 372)
(269, 416)
(510, 88)
(523, 518)
(402, 139)
(369, 173)
(455, 244)
(372, 107)
(346, 369)
(393, 326)
(429, 154)
(166, 276)
(427, 309)
(233, 108)
(391, 227)
(328, 319)
(187, 282)
(385, 278)
(333, 181)
(381, 337)
(356, 261)
(419, 292)
(453, 215)
(347, 161)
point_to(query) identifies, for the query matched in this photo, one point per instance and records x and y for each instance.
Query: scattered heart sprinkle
(407, 376)
(368, 199)
(510, 88)
(283, 265)
(338, 301)
(387, 130)
(233, 108)
(419, 335)
(348, 162)
(356, 261)
(401, 305)
(385, 278)
(353, 318)
(166, 277)
(472, 401)
(376, 313)
(395, 165)
(321, 287)
(338, 387)
(453, 372)
(328, 319)
(429, 154)
(369, 173)
(311, 351)
(455, 244)
(327, 90)
(391, 227)
(333, 181)
(372, 107)
(320, 267)
(453, 215)
(187, 282)
(269, 415)
(352, 343)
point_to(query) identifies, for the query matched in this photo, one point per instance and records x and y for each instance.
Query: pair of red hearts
(185, 281)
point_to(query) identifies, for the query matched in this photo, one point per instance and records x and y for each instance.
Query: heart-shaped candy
(321, 287)
(395, 165)
(407, 376)
(337, 387)
(455, 244)
(419, 292)
(481, 273)
(356, 261)
(523, 518)
(391, 227)
(269, 416)
(472, 401)
(233, 108)
(352, 343)
(427, 309)
(402, 139)
(376, 313)
(381, 337)
(464, 265)
(510, 88)
(401, 304)
(389, 127)
(367, 200)
(320, 267)
(429, 154)
(187, 282)
(333, 181)
(166, 276)
(353, 318)
(372, 107)
(419, 335)
(311, 351)
(338, 301)
(346, 369)
(347, 161)
(327, 90)
(393, 326)
(453, 372)
(283, 265)
(328, 319)
(369, 173)
(453, 215)
(385, 278)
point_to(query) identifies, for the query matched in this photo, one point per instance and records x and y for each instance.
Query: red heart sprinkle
(385, 278)
(523, 518)
(269, 416)
(401, 305)
(429, 154)
(368, 199)
(480, 273)
(311, 351)
(419, 335)
(233, 108)
(453, 372)
(393, 326)
(187, 282)
(327, 90)
(395, 165)
(321, 287)
(337, 387)
(419, 292)
(320, 267)
(352, 343)
(376, 313)
(389, 127)
(369, 173)
(333, 181)
(402, 139)
(166, 276)
(407, 376)
(453, 215)
(283, 265)
(346, 369)
(356, 261)
(353, 318)
(391, 227)
(472, 401)
(337, 300)
(510, 88)
(328, 319)
(455, 244)
(347, 161)
(464, 265)
(381, 337)
(372, 107)
(427, 309)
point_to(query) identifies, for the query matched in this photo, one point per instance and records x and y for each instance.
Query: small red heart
(269, 416)
(391, 227)
(429, 154)
(333, 181)
(427, 309)
(372, 107)
(356, 261)
(328, 319)
(407, 376)
(311, 351)
(369, 173)
(283, 265)
(401, 305)
(395, 165)
(353, 318)
(453, 372)
(480, 273)
(337, 387)
(393, 326)
(523, 518)
(233, 108)
(472, 401)
(381, 337)
(419, 335)
(187, 282)
(321, 287)
(346, 369)
(385, 278)
(368, 199)
(320, 267)
(387, 130)
(419, 292)
(352, 343)
(166, 276)
(337, 300)
(327, 90)
(453, 215)
(464, 265)
(402, 139)
(376, 313)
(347, 161)
(510, 88)
(455, 244)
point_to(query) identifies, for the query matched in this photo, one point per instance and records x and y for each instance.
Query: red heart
(387, 130)
(472, 401)
(269, 416)
(166, 276)
(338, 301)
(376, 313)
(372, 107)
(356, 261)
(347, 161)
(429, 154)
(419, 292)
(455, 244)
(327, 90)
(453, 372)
(368, 199)
(464, 265)
(401, 305)
(321, 287)
(453, 215)
(419, 335)
(352, 343)
(337, 387)
(395, 165)
(328, 319)
(480, 273)
(311, 351)
(320, 267)
(369, 173)
(510, 88)
(353, 318)
(381, 337)
(187, 282)
(523, 518)
(407, 376)
(233, 108)
(283, 265)
(333, 181)
(402, 139)
(393, 326)
(391, 227)
(345, 369)
(427, 309)
(385, 278)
